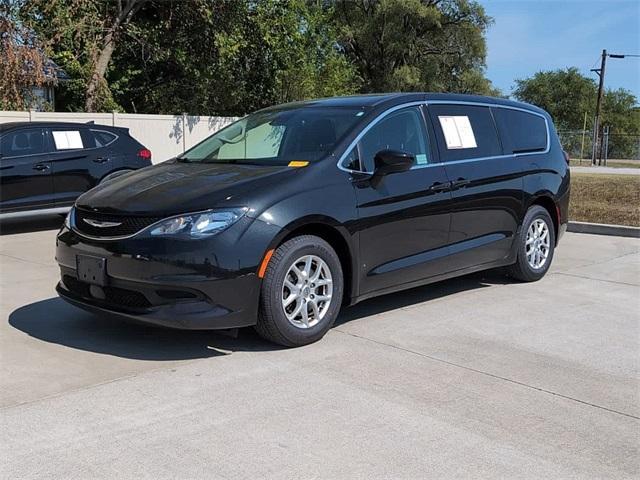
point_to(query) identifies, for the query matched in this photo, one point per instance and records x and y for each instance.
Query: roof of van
(379, 99)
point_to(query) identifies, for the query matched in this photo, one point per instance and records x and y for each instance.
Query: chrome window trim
(446, 102)
(364, 131)
(55, 150)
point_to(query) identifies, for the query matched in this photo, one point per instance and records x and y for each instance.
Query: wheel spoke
(307, 266)
(305, 314)
(316, 312)
(287, 301)
(296, 311)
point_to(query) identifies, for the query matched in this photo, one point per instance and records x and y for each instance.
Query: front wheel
(301, 292)
(536, 245)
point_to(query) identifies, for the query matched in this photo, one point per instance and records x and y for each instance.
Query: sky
(532, 35)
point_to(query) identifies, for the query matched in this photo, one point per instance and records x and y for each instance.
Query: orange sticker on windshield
(298, 163)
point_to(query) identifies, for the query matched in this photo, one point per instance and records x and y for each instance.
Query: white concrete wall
(165, 135)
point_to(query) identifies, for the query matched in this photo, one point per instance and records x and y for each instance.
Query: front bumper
(184, 286)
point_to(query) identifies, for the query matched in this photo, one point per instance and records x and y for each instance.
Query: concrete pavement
(477, 377)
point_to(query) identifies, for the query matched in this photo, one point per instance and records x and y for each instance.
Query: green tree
(224, 57)
(23, 62)
(567, 95)
(83, 34)
(416, 45)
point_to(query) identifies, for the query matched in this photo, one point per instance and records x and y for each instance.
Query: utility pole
(584, 130)
(596, 121)
(596, 152)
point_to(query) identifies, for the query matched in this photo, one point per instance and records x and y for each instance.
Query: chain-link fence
(615, 146)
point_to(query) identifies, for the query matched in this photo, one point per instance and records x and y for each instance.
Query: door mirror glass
(392, 161)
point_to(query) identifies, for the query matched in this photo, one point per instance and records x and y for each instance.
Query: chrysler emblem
(100, 223)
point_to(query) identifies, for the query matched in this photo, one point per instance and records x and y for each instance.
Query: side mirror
(392, 161)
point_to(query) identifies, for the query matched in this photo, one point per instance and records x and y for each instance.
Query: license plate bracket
(91, 269)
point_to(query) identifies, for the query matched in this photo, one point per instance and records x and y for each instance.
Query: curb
(604, 229)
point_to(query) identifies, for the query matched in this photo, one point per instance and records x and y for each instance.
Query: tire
(282, 324)
(525, 269)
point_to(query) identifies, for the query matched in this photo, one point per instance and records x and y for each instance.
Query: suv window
(521, 131)
(67, 139)
(28, 141)
(402, 130)
(103, 138)
(464, 132)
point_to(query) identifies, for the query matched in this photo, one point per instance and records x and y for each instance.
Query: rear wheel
(301, 292)
(536, 245)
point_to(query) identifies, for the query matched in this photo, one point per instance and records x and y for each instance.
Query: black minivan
(293, 211)
(45, 166)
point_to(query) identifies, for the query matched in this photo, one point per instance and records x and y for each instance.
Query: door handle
(41, 167)
(101, 159)
(440, 187)
(460, 183)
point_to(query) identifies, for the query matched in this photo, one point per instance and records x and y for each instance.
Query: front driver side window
(402, 130)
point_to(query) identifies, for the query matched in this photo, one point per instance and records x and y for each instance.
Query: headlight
(68, 220)
(198, 225)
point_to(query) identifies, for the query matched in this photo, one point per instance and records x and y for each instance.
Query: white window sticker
(457, 132)
(67, 140)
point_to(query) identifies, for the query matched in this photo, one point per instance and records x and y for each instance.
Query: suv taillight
(145, 154)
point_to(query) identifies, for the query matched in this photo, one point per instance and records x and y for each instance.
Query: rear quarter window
(464, 132)
(103, 138)
(521, 132)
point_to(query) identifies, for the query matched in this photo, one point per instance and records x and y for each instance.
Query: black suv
(45, 166)
(284, 216)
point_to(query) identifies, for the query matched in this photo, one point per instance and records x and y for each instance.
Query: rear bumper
(164, 290)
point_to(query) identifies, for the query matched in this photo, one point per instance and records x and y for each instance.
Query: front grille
(116, 296)
(127, 225)
(126, 298)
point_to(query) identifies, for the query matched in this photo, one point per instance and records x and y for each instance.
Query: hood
(175, 187)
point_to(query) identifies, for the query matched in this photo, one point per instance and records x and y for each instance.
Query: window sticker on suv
(457, 132)
(67, 140)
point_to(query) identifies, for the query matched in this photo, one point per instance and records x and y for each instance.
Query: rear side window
(464, 132)
(29, 141)
(103, 138)
(67, 139)
(521, 132)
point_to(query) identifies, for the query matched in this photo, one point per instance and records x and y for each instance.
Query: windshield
(277, 137)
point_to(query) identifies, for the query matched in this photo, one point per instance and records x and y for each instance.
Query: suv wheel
(301, 292)
(536, 244)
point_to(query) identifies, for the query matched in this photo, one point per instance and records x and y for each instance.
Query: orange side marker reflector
(265, 262)
(298, 163)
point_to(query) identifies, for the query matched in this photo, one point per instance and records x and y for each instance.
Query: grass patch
(601, 198)
(610, 163)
